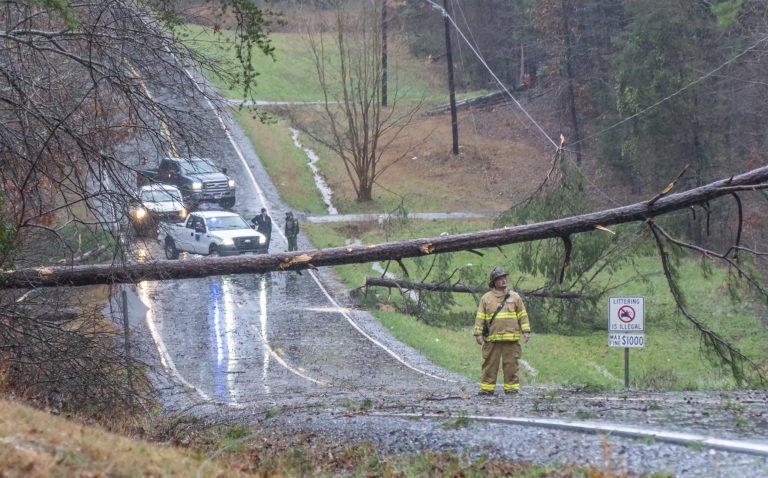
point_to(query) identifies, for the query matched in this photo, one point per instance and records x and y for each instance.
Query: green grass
(292, 74)
(671, 360)
(287, 164)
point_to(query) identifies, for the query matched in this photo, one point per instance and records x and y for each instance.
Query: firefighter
(502, 314)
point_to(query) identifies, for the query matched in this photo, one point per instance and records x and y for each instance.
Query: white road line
(165, 357)
(284, 363)
(384, 347)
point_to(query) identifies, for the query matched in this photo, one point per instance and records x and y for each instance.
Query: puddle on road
(325, 191)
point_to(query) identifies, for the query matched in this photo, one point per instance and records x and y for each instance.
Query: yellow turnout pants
(508, 351)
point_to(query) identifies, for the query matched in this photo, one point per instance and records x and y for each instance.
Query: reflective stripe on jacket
(509, 323)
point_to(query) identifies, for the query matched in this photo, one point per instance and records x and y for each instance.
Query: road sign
(632, 341)
(626, 314)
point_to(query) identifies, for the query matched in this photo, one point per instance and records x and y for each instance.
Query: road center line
(283, 362)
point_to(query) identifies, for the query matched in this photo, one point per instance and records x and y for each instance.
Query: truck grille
(247, 244)
(173, 216)
(215, 186)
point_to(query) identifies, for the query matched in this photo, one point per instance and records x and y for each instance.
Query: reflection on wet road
(235, 339)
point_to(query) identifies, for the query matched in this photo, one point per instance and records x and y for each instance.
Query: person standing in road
(499, 323)
(264, 225)
(291, 230)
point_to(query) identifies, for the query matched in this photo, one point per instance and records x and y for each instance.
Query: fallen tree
(434, 287)
(134, 272)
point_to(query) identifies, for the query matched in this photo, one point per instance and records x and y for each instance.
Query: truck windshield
(226, 222)
(196, 167)
(158, 195)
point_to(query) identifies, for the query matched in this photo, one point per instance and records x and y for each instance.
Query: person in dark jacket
(264, 225)
(291, 230)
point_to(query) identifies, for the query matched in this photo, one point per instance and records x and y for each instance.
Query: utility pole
(383, 52)
(451, 88)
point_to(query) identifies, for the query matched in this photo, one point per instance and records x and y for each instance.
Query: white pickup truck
(214, 233)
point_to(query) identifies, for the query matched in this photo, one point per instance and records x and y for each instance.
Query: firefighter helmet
(495, 274)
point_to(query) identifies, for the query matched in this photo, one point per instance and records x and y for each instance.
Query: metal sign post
(626, 326)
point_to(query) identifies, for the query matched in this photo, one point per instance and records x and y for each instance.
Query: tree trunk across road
(133, 272)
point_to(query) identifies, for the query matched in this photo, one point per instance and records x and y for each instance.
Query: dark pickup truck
(197, 179)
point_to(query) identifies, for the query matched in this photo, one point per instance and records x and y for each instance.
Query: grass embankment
(292, 74)
(35, 444)
(38, 444)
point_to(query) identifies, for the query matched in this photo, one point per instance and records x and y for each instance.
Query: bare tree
(355, 124)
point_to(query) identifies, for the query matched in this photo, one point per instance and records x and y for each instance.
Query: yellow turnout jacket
(509, 323)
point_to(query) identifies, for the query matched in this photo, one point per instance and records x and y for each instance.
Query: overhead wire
(493, 75)
(677, 92)
(475, 50)
(618, 123)
(484, 158)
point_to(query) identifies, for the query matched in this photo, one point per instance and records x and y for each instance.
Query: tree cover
(645, 86)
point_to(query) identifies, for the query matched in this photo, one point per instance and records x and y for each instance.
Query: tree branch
(461, 288)
(727, 352)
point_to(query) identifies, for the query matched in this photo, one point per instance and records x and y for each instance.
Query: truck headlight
(262, 239)
(231, 183)
(227, 242)
(183, 213)
(140, 212)
(197, 185)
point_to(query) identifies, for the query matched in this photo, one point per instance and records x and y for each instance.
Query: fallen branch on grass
(431, 286)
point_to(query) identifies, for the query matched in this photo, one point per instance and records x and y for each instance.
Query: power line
(493, 75)
(672, 95)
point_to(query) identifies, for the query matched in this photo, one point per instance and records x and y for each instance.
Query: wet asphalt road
(242, 340)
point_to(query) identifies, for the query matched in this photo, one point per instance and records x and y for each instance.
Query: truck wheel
(227, 203)
(213, 251)
(170, 249)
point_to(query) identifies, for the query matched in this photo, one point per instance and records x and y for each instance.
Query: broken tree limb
(568, 244)
(432, 286)
(133, 272)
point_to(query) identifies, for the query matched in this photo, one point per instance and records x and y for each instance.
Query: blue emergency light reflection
(220, 348)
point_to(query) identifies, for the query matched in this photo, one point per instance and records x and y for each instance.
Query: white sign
(626, 314)
(636, 341)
